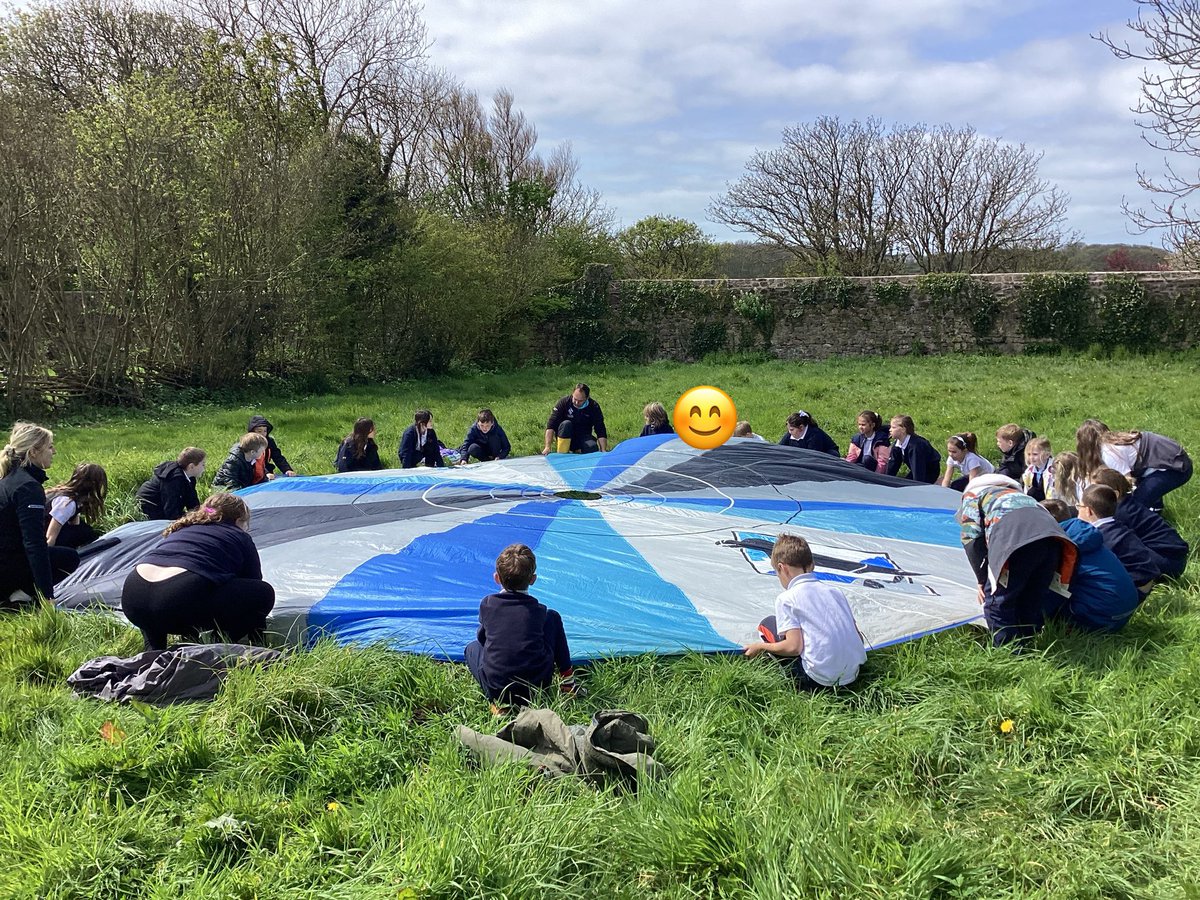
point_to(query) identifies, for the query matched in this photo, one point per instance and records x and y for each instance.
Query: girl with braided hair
(205, 575)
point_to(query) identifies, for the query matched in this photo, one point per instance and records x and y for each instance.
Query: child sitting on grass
(813, 624)
(521, 641)
(1098, 507)
(1154, 531)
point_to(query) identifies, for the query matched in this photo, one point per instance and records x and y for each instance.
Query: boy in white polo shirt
(812, 624)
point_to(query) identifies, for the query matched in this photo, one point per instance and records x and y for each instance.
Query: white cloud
(664, 102)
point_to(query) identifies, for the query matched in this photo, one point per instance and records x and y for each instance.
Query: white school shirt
(1122, 457)
(969, 461)
(63, 509)
(833, 648)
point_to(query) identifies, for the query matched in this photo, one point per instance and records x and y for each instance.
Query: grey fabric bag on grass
(186, 672)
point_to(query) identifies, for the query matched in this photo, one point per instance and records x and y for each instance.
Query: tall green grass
(335, 774)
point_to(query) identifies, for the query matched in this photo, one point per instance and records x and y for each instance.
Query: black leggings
(188, 603)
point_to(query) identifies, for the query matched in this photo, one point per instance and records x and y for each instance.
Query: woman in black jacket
(358, 452)
(28, 566)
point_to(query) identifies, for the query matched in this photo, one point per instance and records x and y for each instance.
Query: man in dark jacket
(572, 421)
(274, 457)
(171, 491)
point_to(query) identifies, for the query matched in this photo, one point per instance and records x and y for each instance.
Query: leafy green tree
(666, 247)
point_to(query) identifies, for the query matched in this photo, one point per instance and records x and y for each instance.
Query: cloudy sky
(663, 101)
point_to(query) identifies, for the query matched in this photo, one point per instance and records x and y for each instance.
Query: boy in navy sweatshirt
(1098, 507)
(521, 641)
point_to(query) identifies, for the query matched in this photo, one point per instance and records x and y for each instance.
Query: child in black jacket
(521, 641)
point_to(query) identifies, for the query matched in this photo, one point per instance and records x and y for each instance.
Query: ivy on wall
(691, 319)
(759, 312)
(1057, 306)
(1127, 317)
(974, 298)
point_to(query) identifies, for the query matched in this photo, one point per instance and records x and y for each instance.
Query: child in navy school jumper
(871, 446)
(804, 434)
(205, 574)
(1038, 479)
(1103, 596)
(1155, 531)
(911, 450)
(521, 641)
(1099, 508)
(656, 420)
(485, 439)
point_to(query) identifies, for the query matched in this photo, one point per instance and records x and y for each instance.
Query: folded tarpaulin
(185, 672)
(616, 742)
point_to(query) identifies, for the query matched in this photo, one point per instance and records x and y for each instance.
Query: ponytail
(24, 438)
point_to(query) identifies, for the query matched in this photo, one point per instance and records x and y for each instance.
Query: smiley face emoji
(704, 417)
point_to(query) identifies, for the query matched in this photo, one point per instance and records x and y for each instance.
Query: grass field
(336, 774)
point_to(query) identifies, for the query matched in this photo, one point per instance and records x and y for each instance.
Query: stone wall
(818, 318)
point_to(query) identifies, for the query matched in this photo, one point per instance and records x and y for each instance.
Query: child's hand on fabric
(753, 650)
(979, 596)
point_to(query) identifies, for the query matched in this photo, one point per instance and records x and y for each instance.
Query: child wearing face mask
(961, 456)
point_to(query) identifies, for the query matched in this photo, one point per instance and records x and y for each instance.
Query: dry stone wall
(818, 318)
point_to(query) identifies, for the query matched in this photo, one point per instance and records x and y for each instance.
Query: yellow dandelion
(1006, 726)
(333, 806)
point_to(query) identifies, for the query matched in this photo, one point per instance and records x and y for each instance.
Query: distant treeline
(746, 259)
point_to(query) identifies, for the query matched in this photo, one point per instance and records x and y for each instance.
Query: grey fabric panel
(752, 464)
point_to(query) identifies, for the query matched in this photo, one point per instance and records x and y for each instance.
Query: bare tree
(969, 199)
(347, 53)
(829, 195)
(855, 198)
(1168, 113)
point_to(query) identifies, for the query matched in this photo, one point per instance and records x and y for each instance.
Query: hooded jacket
(1102, 593)
(24, 555)
(275, 457)
(169, 493)
(996, 518)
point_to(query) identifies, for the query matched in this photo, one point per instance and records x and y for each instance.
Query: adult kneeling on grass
(572, 421)
(205, 575)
